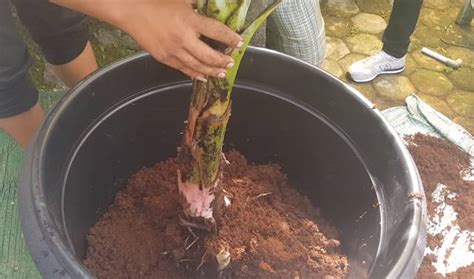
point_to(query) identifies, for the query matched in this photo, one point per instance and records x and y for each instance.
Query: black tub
(334, 145)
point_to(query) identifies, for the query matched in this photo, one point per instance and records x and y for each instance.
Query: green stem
(200, 154)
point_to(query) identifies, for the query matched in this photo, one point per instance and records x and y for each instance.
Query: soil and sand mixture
(450, 239)
(271, 230)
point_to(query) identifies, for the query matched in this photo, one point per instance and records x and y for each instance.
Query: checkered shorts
(297, 29)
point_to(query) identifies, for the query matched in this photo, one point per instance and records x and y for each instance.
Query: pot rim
(30, 181)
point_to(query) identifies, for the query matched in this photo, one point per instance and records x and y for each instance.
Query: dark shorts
(60, 33)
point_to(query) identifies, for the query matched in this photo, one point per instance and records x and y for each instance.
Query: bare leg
(22, 127)
(74, 71)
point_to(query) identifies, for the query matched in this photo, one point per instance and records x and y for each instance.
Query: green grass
(15, 261)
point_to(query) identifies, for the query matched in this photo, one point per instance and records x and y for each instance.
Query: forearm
(169, 29)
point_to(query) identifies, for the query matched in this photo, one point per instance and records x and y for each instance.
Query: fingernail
(230, 65)
(221, 75)
(240, 44)
(201, 79)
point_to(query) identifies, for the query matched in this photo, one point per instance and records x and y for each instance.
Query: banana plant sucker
(200, 155)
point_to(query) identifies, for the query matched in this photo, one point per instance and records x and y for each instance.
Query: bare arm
(169, 29)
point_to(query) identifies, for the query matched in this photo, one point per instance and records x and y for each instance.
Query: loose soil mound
(440, 162)
(271, 230)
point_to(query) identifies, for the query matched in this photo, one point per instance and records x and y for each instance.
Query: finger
(218, 31)
(176, 64)
(209, 56)
(191, 62)
(189, 71)
(193, 75)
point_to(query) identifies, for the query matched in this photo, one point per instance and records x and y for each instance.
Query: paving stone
(453, 12)
(458, 2)
(462, 102)
(343, 8)
(394, 87)
(436, 4)
(366, 89)
(338, 27)
(332, 67)
(382, 103)
(431, 17)
(410, 65)
(336, 48)
(415, 44)
(369, 23)
(463, 78)
(463, 35)
(438, 104)
(364, 43)
(347, 61)
(127, 41)
(431, 82)
(374, 7)
(427, 62)
(429, 37)
(111, 37)
(466, 123)
(467, 55)
(107, 37)
(50, 78)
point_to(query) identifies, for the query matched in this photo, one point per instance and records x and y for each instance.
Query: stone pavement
(354, 30)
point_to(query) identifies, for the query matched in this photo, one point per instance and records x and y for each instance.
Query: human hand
(170, 30)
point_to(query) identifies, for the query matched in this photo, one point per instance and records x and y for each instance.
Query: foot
(380, 63)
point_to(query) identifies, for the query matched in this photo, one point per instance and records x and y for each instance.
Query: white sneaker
(380, 63)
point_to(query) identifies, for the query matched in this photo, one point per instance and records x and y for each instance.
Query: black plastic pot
(334, 145)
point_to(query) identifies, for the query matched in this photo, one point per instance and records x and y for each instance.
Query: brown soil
(439, 161)
(272, 231)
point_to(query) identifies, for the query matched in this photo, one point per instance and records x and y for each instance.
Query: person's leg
(23, 126)
(62, 35)
(20, 114)
(297, 29)
(396, 40)
(400, 27)
(20, 124)
(76, 70)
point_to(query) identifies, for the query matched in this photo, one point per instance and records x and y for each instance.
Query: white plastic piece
(445, 60)
(223, 258)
